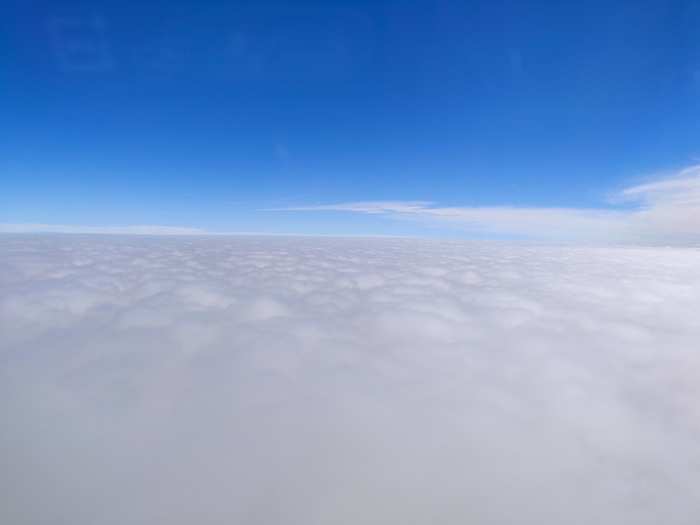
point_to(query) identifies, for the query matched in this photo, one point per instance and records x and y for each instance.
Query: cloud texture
(314, 381)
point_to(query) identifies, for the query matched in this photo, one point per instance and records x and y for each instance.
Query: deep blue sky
(202, 113)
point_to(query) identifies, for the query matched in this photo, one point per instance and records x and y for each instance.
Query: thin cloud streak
(666, 209)
(103, 230)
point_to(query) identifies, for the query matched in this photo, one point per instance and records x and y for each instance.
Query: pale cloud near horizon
(314, 381)
(666, 209)
(102, 230)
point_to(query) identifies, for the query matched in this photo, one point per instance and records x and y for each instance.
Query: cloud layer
(102, 230)
(312, 381)
(667, 210)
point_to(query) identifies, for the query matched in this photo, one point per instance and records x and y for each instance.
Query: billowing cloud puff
(666, 210)
(311, 381)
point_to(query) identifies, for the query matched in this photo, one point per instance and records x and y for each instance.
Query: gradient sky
(207, 114)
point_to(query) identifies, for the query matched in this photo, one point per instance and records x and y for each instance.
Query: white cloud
(666, 210)
(669, 208)
(106, 230)
(682, 189)
(309, 381)
(372, 207)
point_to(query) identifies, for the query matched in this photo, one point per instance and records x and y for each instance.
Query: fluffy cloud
(313, 381)
(667, 210)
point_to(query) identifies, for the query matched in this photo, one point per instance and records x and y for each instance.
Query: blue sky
(209, 115)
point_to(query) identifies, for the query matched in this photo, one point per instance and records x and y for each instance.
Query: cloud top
(309, 381)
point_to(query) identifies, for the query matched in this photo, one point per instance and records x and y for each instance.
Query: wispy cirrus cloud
(664, 209)
(371, 207)
(682, 188)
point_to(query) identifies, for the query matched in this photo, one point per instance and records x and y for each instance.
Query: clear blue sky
(203, 113)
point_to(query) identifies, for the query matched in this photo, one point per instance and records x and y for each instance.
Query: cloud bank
(311, 381)
(102, 230)
(667, 210)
